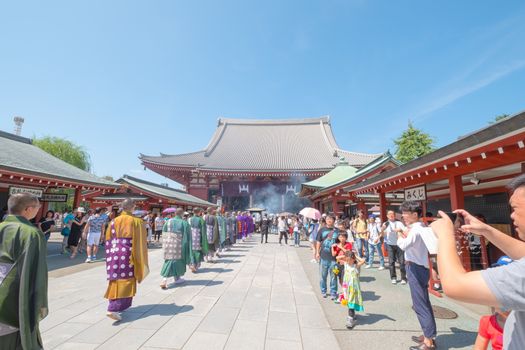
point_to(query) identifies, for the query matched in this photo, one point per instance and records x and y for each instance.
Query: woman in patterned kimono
(199, 241)
(176, 243)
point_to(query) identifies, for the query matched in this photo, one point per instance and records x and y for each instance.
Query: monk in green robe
(23, 276)
(212, 234)
(221, 225)
(176, 243)
(199, 241)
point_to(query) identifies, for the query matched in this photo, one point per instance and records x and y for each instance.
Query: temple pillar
(382, 206)
(78, 198)
(457, 201)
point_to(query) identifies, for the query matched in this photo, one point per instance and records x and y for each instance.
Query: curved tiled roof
(168, 192)
(267, 145)
(18, 154)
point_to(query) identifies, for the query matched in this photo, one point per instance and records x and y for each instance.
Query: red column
(457, 198)
(362, 206)
(457, 201)
(335, 208)
(382, 206)
(78, 198)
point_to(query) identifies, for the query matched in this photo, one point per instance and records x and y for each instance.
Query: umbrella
(375, 208)
(139, 213)
(311, 213)
(169, 210)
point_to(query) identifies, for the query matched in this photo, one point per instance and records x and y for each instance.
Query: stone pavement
(256, 297)
(388, 321)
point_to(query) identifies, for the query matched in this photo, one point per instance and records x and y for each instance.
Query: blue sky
(127, 77)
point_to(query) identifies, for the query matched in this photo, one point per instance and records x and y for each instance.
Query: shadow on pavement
(228, 261)
(226, 255)
(366, 279)
(370, 296)
(207, 283)
(214, 269)
(457, 339)
(372, 318)
(152, 310)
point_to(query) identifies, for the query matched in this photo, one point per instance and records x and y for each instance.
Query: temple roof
(344, 173)
(340, 173)
(163, 191)
(19, 155)
(267, 145)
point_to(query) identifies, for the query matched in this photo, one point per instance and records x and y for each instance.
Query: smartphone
(456, 219)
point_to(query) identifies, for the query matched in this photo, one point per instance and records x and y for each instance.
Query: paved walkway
(256, 297)
(388, 321)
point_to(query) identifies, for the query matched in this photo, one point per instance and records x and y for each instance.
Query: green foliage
(65, 150)
(412, 144)
(498, 118)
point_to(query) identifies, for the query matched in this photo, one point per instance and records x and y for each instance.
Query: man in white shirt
(416, 257)
(390, 230)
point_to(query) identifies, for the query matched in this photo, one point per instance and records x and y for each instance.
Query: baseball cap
(81, 210)
(504, 260)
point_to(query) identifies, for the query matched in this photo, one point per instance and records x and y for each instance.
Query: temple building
(258, 162)
(147, 195)
(26, 168)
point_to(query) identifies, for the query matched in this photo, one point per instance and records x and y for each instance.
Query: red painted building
(470, 173)
(27, 168)
(148, 196)
(327, 194)
(257, 162)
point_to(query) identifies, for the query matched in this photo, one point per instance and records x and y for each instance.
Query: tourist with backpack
(325, 240)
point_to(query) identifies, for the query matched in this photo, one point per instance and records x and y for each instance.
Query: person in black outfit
(265, 223)
(77, 226)
(47, 223)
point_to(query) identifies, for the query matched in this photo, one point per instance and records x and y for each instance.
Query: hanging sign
(416, 193)
(54, 197)
(14, 190)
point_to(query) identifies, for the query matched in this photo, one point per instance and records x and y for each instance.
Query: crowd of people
(341, 247)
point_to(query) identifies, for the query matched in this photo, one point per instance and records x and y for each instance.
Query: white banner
(54, 197)
(416, 193)
(37, 192)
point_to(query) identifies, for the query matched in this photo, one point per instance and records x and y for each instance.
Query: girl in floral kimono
(351, 296)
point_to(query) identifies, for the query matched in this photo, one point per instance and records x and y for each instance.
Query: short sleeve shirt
(339, 252)
(327, 238)
(46, 224)
(390, 231)
(159, 222)
(490, 329)
(68, 218)
(507, 283)
(96, 223)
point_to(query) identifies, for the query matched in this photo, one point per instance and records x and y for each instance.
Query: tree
(413, 143)
(108, 177)
(498, 118)
(65, 150)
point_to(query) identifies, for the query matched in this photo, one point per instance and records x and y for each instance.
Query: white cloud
(466, 89)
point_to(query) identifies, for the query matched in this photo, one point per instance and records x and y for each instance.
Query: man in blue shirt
(325, 239)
